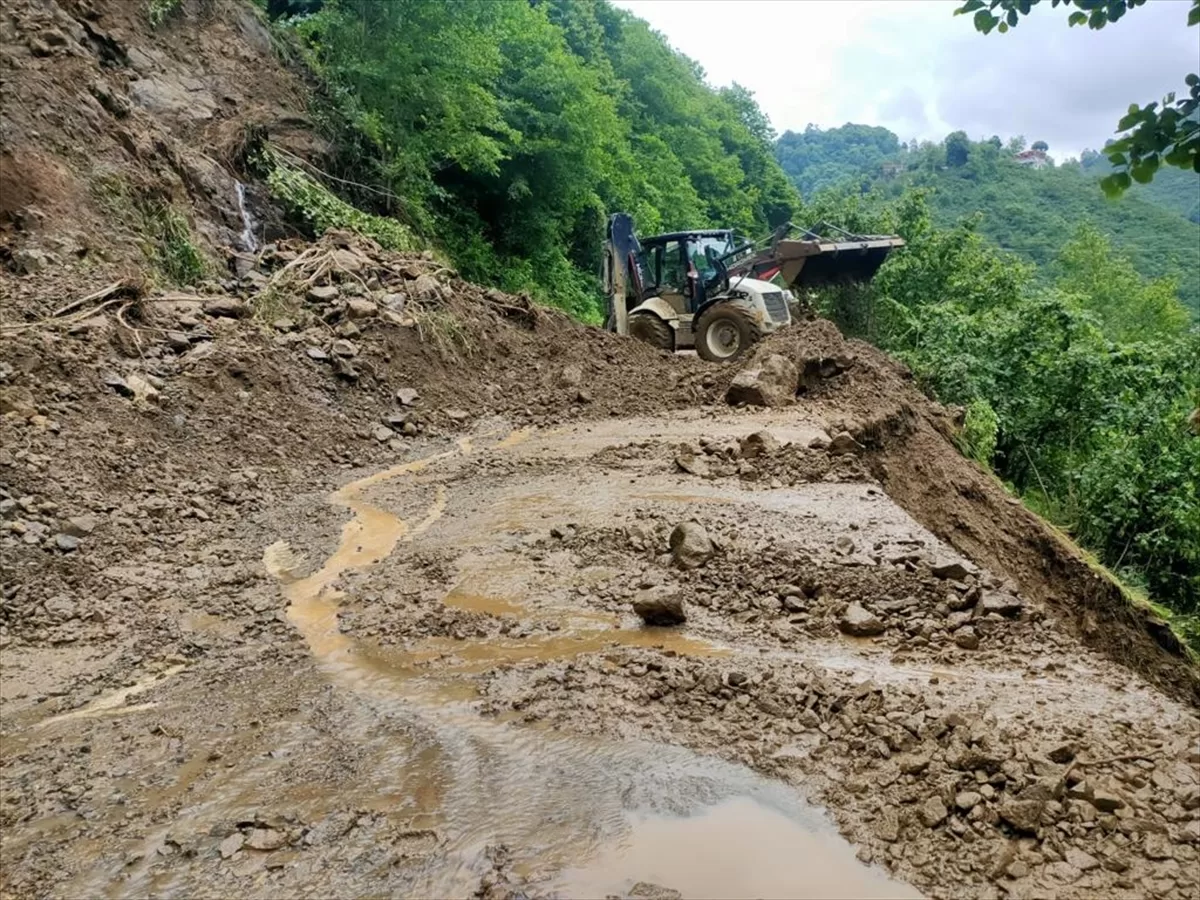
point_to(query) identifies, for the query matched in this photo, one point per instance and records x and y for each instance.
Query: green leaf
(969, 7)
(985, 21)
(1129, 121)
(1077, 18)
(1013, 17)
(1143, 171)
(1003, 27)
(1118, 159)
(1194, 14)
(1192, 80)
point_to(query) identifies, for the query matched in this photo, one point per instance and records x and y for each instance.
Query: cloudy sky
(914, 67)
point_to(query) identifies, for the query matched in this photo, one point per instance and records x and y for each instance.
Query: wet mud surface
(451, 696)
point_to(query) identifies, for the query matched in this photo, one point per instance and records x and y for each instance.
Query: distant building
(1036, 159)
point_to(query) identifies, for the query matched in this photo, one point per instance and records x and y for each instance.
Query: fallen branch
(99, 295)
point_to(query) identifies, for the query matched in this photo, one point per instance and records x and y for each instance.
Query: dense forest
(1031, 211)
(508, 131)
(503, 134)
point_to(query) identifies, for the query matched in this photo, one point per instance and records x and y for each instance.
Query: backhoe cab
(700, 289)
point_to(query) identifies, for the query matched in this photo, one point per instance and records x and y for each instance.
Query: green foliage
(308, 199)
(1029, 211)
(1153, 136)
(1077, 384)
(817, 159)
(170, 243)
(980, 429)
(158, 11)
(511, 130)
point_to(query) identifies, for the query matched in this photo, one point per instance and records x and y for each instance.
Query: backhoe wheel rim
(723, 339)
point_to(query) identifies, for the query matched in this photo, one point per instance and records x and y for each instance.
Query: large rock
(690, 545)
(660, 606)
(771, 383)
(859, 622)
(227, 307)
(999, 602)
(761, 443)
(844, 444)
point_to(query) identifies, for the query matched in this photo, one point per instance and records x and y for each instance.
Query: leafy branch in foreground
(1153, 135)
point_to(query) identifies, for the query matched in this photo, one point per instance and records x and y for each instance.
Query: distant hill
(1029, 210)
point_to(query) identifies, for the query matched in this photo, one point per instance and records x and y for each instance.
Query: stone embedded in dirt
(1023, 815)
(693, 465)
(660, 605)
(1156, 846)
(1106, 801)
(1084, 862)
(117, 383)
(913, 763)
(844, 444)
(1016, 869)
(67, 543)
(953, 570)
(142, 390)
(177, 340)
(583, 396)
(966, 638)
(690, 545)
(933, 812)
(571, 375)
(858, 622)
(772, 383)
(458, 415)
(79, 526)
(1063, 754)
(284, 324)
(227, 308)
(316, 353)
(61, 608)
(646, 890)
(347, 329)
(407, 396)
(322, 293)
(266, 839)
(231, 844)
(344, 349)
(383, 434)
(1000, 603)
(425, 287)
(358, 308)
(967, 800)
(888, 825)
(760, 443)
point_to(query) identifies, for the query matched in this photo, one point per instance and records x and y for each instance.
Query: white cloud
(914, 67)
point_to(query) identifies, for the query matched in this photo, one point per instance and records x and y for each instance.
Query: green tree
(1153, 135)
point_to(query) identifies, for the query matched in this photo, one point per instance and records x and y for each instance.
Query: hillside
(1030, 212)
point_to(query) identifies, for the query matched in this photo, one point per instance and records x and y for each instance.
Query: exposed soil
(202, 697)
(319, 577)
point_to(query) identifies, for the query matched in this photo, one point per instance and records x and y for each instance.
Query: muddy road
(448, 694)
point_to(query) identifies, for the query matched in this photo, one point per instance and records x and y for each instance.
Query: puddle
(736, 849)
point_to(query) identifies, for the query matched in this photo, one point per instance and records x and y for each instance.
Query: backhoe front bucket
(806, 264)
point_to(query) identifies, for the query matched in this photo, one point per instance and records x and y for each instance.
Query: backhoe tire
(652, 330)
(724, 332)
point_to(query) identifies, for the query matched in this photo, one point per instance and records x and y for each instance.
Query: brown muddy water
(581, 817)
